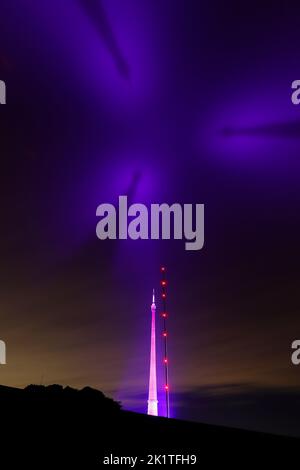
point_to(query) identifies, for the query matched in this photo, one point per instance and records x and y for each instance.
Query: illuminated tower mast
(165, 337)
(152, 397)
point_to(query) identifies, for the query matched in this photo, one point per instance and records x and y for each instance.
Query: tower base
(152, 407)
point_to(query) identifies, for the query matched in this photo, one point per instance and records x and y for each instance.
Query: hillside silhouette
(63, 426)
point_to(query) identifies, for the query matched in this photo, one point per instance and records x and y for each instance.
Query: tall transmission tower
(152, 396)
(165, 338)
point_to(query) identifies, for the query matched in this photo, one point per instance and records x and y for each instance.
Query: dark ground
(44, 426)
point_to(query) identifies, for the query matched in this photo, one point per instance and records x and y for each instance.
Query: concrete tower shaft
(152, 396)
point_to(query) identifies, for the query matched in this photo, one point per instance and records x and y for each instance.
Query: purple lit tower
(152, 397)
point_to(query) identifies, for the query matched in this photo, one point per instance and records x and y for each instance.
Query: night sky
(163, 101)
